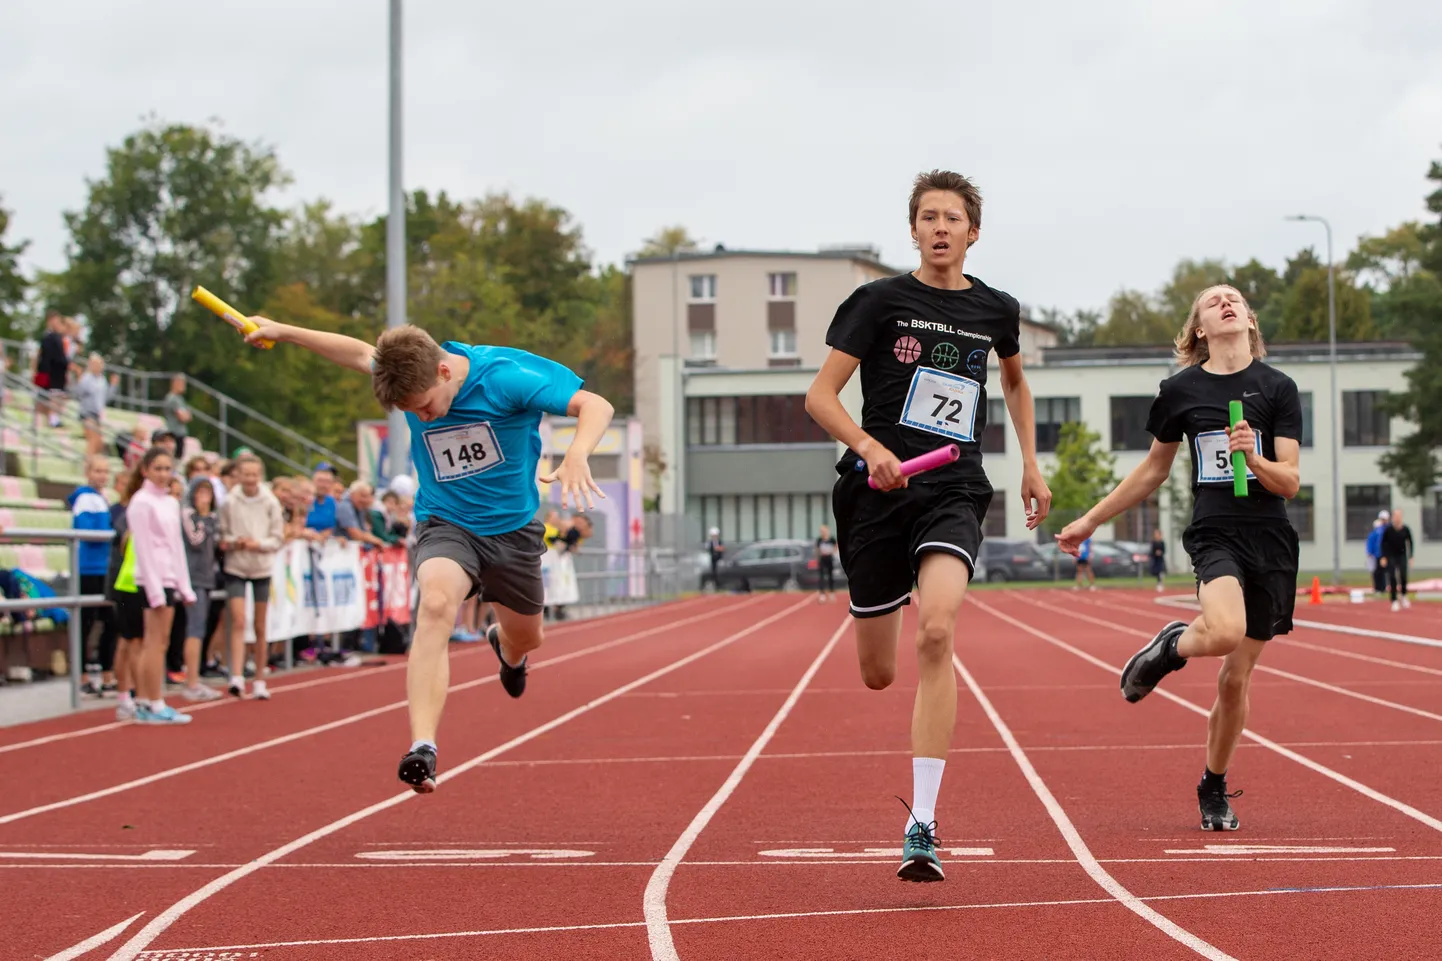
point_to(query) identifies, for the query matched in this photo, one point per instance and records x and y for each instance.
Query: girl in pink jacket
(163, 577)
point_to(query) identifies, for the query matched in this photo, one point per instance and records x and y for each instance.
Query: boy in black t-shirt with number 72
(1243, 549)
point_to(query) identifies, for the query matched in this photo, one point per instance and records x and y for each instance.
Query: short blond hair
(1191, 346)
(405, 364)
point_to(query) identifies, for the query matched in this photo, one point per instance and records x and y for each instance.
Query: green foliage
(1134, 318)
(1083, 474)
(13, 285)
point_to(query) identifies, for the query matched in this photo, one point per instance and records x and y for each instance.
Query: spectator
(1159, 558)
(1374, 553)
(177, 415)
(322, 515)
(353, 520)
(91, 511)
(127, 607)
(94, 394)
(165, 440)
(163, 577)
(227, 477)
(394, 520)
(251, 533)
(1396, 552)
(52, 366)
(201, 527)
(715, 548)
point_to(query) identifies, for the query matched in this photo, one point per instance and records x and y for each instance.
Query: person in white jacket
(252, 530)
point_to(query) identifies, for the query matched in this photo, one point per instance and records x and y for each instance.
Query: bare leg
(520, 634)
(1229, 712)
(151, 677)
(876, 640)
(237, 644)
(942, 584)
(1222, 624)
(443, 587)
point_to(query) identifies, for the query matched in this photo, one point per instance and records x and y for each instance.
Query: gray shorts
(504, 568)
(259, 587)
(197, 614)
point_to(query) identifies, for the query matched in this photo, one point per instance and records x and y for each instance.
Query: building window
(1364, 501)
(766, 419)
(993, 438)
(1051, 413)
(703, 288)
(783, 342)
(783, 286)
(995, 523)
(1300, 511)
(1306, 399)
(1129, 423)
(1364, 422)
(703, 345)
(1432, 516)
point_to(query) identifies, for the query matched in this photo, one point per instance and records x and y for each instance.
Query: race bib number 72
(942, 403)
(463, 451)
(1214, 461)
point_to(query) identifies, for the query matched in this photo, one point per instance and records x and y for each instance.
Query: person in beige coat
(252, 530)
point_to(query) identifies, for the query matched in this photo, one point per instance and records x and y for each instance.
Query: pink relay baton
(924, 462)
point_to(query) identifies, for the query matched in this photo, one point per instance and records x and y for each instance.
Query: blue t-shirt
(322, 514)
(477, 464)
(1086, 550)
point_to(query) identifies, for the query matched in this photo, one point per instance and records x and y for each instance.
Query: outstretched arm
(1144, 478)
(1035, 495)
(593, 415)
(336, 348)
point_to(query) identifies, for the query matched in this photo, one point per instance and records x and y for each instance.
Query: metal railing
(72, 602)
(609, 579)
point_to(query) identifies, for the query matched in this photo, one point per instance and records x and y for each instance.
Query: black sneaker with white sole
(418, 769)
(1148, 666)
(1215, 804)
(513, 679)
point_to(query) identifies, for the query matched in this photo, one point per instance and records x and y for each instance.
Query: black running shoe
(1152, 663)
(513, 679)
(1216, 808)
(418, 769)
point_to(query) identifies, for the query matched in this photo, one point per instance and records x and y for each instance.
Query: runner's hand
(1071, 536)
(265, 329)
(1035, 497)
(1242, 438)
(575, 477)
(883, 465)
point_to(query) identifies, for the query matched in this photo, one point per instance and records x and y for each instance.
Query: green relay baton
(1239, 459)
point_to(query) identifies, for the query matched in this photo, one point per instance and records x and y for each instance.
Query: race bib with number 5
(942, 403)
(463, 451)
(1214, 461)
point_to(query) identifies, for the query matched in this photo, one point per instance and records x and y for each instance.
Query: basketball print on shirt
(907, 349)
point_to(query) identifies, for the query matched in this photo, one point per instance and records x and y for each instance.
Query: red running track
(709, 779)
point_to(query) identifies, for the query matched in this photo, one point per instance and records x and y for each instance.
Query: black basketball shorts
(1262, 557)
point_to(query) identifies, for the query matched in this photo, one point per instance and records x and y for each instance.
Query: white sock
(925, 785)
(158, 705)
(429, 744)
(237, 681)
(125, 698)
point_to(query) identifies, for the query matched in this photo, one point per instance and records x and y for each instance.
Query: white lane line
(1074, 840)
(341, 675)
(1190, 603)
(1263, 668)
(658, 930)
(1271, 745)
(333, 725)
(94, 941)
(170, 915)
(177, 953)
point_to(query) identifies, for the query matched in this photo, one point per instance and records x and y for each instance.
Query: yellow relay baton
(228, 314)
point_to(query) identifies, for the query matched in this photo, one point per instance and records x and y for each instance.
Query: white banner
(313, 590)
(558, 575)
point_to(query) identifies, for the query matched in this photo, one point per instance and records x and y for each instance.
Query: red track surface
(710, 779)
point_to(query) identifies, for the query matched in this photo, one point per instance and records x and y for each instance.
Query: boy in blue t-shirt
(474, 415)
(1084, 570)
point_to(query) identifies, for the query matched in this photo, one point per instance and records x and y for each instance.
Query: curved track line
(1322, 769)
(94, 941)
(333, 725)
(658, 930)
(1074, 840)
(142, 939)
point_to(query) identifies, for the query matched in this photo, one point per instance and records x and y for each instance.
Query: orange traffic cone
(1316, 590)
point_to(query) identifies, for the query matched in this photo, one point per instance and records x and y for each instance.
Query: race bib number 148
(463, 451)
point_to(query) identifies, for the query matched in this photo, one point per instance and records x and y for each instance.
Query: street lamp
(396, 429)
(1336, 423)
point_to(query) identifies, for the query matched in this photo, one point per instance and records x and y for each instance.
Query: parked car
(1141, 553)
(781, 563)
(1008, 560)
(1108, 560)
(1061, 564)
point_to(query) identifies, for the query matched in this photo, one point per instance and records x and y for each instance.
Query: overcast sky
(1109, 138)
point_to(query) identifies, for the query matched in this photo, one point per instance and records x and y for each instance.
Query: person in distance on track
(1243, 549)
(922, 341)
(474, 414)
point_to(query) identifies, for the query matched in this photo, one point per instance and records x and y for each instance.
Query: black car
(1008, 560)
(782, 563)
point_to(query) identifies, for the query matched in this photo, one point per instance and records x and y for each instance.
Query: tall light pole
(397, 434)
(1336, 421)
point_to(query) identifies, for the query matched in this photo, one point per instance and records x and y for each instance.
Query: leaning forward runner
(474, 415)
(921, 341)
(1243, 549)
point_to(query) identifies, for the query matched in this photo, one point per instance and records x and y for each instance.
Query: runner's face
(435, 403)
(1224, 313)
(942, 229)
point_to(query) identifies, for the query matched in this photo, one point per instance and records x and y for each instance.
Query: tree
(1259, 284)
(178, 206)
(13, 285)
(1189, 278)
(1134, 319)
(1083, 474)
(1304, 313)
(666, 241)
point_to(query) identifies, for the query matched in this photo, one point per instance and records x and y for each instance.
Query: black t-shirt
(923, 353)
(825, 549)
(1396, 541)
(1193, 402)
(53, 361)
